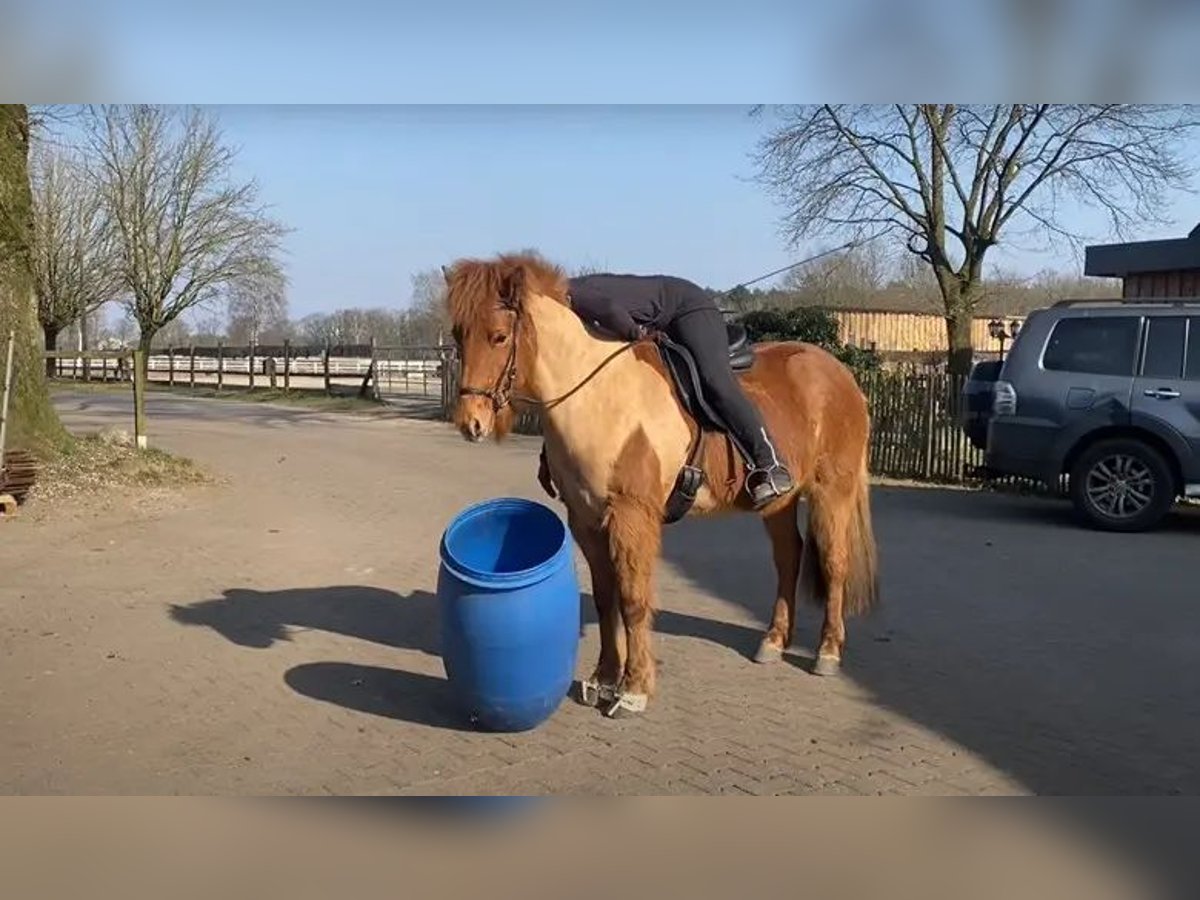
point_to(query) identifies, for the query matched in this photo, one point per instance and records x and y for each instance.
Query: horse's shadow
(260, 619)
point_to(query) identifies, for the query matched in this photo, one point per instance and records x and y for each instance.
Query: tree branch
(187, 232)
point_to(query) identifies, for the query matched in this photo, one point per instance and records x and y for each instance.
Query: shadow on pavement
(1062, 656)
(260, 618)
(1059, 655)
(391, 693)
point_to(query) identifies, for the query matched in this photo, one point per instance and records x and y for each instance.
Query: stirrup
(753, 484)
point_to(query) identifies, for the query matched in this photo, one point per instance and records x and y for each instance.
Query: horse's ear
(513, 288)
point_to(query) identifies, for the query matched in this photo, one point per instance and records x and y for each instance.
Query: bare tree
(176, 333)
(429, 321)
(75, 263)
(186, 230)
(83, 333)
(951, 181)
(315, 329)
(258, 307)
(841, 279)
(209, 327)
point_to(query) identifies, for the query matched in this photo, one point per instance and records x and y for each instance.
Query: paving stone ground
(278, 634)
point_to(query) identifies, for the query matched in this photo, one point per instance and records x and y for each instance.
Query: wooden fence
(915, 430)
(252, 366)
(125, 364)
(362, 369)
(909, 332)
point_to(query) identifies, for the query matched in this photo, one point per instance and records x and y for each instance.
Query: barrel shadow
(388, 693)
(261, 619)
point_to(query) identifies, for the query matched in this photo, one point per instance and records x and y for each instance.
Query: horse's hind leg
(602, 686)
(829, 519)
(786, 548)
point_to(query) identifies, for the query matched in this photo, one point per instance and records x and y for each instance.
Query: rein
(502, 395)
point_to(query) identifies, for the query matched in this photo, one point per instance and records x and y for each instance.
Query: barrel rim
(519, 578)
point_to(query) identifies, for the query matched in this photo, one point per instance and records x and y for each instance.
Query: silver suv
(1108, 394)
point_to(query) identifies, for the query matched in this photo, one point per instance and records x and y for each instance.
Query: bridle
(502, 394)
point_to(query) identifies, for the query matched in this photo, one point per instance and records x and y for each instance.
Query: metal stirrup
(770, 477)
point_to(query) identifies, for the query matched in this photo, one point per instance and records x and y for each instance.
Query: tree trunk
(960, 292)
(50, 335)
(33, 423)
(144, 342)
(958, 334)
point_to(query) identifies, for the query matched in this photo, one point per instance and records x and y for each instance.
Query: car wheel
(1122, 485)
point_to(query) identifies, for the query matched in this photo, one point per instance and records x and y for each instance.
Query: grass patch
(318, 401)
(95, 463)
(315, 400)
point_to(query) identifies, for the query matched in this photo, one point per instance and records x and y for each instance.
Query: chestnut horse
(616, 437)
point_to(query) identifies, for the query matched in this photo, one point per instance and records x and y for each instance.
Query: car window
(1164, 347)
(1104, 345)
(1191, 368)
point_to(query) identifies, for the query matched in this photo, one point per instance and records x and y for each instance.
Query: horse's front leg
(634, 537)
(602, 686)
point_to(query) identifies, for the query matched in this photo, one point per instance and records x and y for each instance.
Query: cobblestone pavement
(277, 634)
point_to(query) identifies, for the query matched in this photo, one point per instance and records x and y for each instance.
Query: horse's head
(496, 342)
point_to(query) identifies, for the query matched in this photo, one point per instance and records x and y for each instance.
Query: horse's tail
(853, 530)
(862, 581)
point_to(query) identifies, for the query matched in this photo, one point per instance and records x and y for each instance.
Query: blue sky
(377, 193)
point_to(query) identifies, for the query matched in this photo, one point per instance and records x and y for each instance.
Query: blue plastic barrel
(509, 602)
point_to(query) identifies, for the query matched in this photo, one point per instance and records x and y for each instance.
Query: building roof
(1119, 260)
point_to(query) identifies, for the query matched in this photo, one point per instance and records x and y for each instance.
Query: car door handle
(1161, 393)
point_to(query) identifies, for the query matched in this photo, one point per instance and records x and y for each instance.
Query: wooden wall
(1184, 283)
(906, 332)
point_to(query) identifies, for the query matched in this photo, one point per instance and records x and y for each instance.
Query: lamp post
(999, 332)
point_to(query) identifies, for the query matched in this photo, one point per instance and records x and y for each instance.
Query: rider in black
(632, 307)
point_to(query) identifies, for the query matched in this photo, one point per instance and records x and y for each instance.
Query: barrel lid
(540, 525)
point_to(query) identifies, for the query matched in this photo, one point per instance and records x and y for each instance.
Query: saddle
(685, 378)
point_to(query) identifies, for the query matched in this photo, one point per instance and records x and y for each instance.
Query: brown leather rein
(502, 394)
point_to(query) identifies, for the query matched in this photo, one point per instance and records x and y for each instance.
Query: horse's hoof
(827, 665)
(585, 694)
(768, 653)
(595, 693)
(625, 704)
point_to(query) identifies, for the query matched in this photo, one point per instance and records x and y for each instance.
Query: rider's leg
(702, 331)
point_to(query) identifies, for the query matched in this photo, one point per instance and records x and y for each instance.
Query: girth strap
(688, 482)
